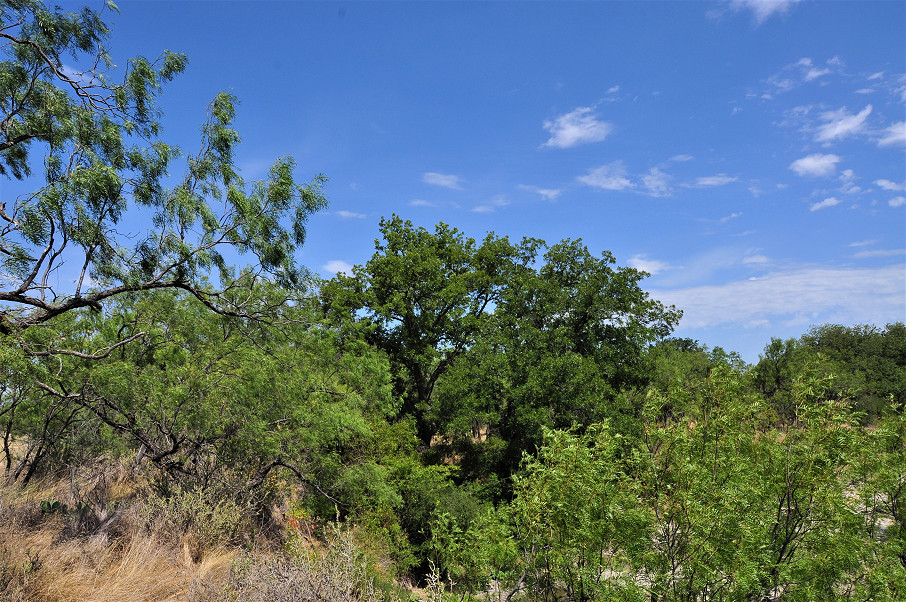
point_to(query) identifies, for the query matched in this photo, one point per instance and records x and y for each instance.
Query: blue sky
(751, 155)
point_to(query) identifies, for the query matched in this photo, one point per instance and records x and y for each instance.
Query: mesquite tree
(102, 156)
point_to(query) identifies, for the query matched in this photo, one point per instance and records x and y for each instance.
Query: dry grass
(137, 568)
(108, 551)
(111, 539)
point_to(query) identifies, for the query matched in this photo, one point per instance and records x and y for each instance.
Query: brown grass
(125, 544)
(105, 554)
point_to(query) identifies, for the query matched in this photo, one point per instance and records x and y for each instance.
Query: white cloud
(548, 194)
(657, 182)
(607, 177)
(580, 126)
(782, 84)
(815, 73)
(802, 71)
(711, 181)
(762, 10)
(681, 158)
(895, 134)
(703, 267)
(865, 91)
(337, 266)
(870, 295)
(815, 165)
(492, 205)
(863, 243)
(350, 215)
(888, 185)
(86, 78)
(727, 218)
(879, 253)
(614, 176)
(443, 180)
(847, 177)
(840, 124)
(897, 201)
(652, 266)
(877, 75)
(613, 89)
(809, 71)
(828, 202)
(421, 203)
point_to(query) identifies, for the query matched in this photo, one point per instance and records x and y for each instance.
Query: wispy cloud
(712, 181)
(580, 126)
(762, 10)
(493, 205)
(840, 124)
(703, 267)
(548, 194)
(879, 253)
(615, 176)
(337, 266)
(810, 71)
(443, 180)
(895, 134)
(681, 158)
(86, 78)
(656, 182)
(652, 266)
(897, 201)
(608, 177)
(815, 165)
(828, 202)
(755, 259)
(727, 218)
(350, 215)
(816, 294)
(802, 71)
(421, 203)
(888, 185)
(613, 89)
(863, 243)
(847, 182)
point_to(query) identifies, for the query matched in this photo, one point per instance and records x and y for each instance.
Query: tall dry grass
(98, 544)
(105, 535)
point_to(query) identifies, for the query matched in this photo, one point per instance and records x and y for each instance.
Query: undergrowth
(104, 533)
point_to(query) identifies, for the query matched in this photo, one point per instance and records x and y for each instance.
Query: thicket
(486, 419)
(689, 483)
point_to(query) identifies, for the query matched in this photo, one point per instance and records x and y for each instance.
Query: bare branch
(34, 273)
(262, 474)
(99, 355)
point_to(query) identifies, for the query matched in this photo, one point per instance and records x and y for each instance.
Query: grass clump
(339, 571)
(201, 513)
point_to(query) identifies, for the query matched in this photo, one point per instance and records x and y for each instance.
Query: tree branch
(99, 355)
